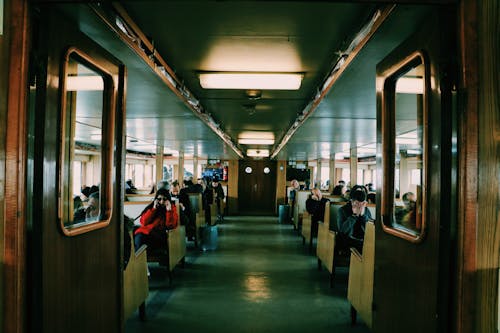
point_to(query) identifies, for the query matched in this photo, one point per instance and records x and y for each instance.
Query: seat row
(361, 266)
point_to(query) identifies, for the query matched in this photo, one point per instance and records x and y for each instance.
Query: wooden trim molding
(15, 168)
(465, 294)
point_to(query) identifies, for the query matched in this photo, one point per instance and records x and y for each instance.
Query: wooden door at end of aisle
(257, 187)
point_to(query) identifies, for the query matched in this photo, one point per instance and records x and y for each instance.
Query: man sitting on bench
(351, 221)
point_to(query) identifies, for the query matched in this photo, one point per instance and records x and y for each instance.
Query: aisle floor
(259, 279)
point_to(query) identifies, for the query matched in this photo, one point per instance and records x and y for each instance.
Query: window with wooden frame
(87, 118)
(404, 140)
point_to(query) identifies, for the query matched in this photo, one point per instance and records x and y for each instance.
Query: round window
(267, 170)
(248, 169)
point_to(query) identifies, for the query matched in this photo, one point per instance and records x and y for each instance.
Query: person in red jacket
(158, 217)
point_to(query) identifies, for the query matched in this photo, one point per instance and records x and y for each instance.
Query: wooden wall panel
(280, 183)
(488, 229)
(232, 184)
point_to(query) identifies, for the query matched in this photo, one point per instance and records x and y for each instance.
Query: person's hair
(358, 195)
(371, 197)
(93, 189)
(86, 191)
(337, 190)
(162, 191)
(162, 184)
(406, 195)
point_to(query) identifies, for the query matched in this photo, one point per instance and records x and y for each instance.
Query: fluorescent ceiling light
(258, 152)
(89, 83)
(249, 141)
(251, 80)
(410, 85)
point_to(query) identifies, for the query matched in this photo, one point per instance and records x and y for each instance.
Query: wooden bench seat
(325, 249)
(135, 282)
(198, 213)
(306, 230)
(361, 270)
(174, 251)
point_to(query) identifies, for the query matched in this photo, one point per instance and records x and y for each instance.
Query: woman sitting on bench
(158, 217)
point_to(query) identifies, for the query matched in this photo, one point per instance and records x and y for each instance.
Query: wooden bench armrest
(355, 253)
(141, 250)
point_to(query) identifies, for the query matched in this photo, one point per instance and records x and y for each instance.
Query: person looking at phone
(158, 217)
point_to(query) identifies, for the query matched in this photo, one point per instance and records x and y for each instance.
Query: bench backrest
(300, 200)
(331, 209)
(134, 208)
(139, 197)
(196, 203)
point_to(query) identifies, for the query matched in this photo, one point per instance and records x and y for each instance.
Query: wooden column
(180, 168)
(280, 183)
(195, 169)
(318, 174)
(159, 164)
(332, 178)
(353, 161)
(232, 187)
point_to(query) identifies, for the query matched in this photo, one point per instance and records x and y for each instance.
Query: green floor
(260, 279)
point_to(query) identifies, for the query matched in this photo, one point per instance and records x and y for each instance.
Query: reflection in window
(82, 132)
(409, 147)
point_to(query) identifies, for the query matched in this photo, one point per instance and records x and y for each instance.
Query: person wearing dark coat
(219, 197)
(351, 220)
(315, 205)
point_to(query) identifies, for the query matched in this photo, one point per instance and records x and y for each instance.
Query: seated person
(407, 215)
(93, 208)
(158, 217)
(315, 205)
(184, 208)
(129, 187)
(371, 198)
(351, 221)
(78, 210)
(338, 190)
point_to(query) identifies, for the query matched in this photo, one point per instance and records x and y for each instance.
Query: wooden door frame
(14, 219)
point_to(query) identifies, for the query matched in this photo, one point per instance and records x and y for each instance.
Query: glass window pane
(83, 112)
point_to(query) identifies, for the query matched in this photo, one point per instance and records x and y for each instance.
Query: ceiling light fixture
(251, 80)
(258, 152)
(250, 141)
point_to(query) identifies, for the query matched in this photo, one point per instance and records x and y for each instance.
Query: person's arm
(171, 217)
(345, 223)
(147, 216)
